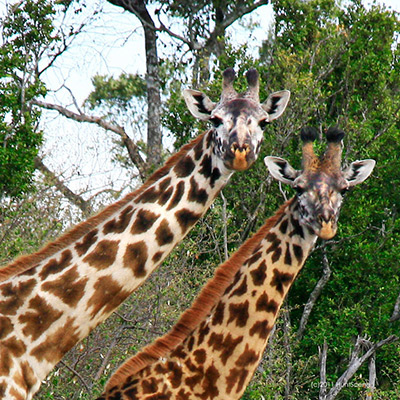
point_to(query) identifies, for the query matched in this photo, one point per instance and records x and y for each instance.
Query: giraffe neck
(219, 355)
(77, 281)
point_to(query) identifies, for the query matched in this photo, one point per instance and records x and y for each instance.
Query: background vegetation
(341, 63)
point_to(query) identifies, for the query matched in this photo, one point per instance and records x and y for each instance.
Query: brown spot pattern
(186, 218)
(298, 253)
(209, 384)
(164, 234)
(239, 313)
(218, 316)
(144, 221)
(281, 280)
(226, 345)
(88, 240)
(103, 255)
(180, 189)
(54, 266)
(261, 329)
(248, 357)
(288, 255)
(258, 275)
(241, 290)
(196, 194)
(16, 293)
(68, 287)
(39, 317)
(264, 304)
(6, 327)
(135, 258)
(184, 167)
(119, 226)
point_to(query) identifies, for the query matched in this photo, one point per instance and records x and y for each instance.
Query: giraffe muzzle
(328, 230)
(240, 156)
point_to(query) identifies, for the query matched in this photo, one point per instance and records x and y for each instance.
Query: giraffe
(79, 279)
(216, 345)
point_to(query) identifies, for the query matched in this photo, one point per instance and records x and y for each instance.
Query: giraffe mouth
(241, 157)
(327, 230)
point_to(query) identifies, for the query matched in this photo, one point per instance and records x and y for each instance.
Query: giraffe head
(238, 118)
(321, 183)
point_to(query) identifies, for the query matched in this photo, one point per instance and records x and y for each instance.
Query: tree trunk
(154, 134)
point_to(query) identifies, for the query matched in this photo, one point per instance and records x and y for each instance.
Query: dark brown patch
(180, 189)
(247, 358)
(241, 290)
(204, 330)
(288, 256)
(54, 266)
(235, 280)
(184, 167)
(149, 196)
(165, 196)
(198, 150)
(28, 375)
(239, 313)
(253, 259)
(218, 316)
(237, 377)
(175, 374)
(281, 280)
(190, 343)
(297, 229)
(119, 225)
(16, 293)
(15, 346)
(39, 317)
(157, 257)
(264, 304)
(258, 275)
(83, 246)
(209, 384)
(274, 248)
(194, 380)
(149, 385)
(283, 226)
(68, 287)
(225, 345)
(298, 253)
(107, 297)
(164, 184)
(260, 328)
(179, 352)
(6, 361)
(164, 234)
(200, 356)
(206, 166)
(6, 327)
(135, 258)
(144, 221)
(103, 255)
(186, 218)
(57, 344)
(196, 194)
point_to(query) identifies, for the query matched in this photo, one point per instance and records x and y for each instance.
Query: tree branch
(326, 273)
(356, 362)
(396, 311)
(131, 147)
(74, 198)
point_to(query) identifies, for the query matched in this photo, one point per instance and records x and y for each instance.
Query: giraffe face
(320, 186)
(238, 119)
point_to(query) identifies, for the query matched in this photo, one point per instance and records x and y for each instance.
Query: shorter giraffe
(214, 349)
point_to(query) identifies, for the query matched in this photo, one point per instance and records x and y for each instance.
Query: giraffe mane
(25, 262)
(200, 309)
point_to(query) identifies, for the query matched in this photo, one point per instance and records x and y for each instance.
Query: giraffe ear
(358, 171)
(281, 170)
(198, 103)
(276, 104)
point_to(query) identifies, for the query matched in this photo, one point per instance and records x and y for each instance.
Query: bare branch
(322, 361)
(326, 273)
(74, 198)
(77, 374)
(133, 150)
(356, 362)
(396, 311)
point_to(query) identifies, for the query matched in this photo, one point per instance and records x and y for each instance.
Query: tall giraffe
(214, 349)
(52, 299)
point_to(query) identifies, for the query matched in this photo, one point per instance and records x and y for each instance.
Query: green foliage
(26, 31)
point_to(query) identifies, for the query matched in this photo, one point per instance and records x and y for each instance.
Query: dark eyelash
(263, 123)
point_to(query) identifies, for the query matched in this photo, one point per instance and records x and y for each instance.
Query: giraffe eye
(216, 121)
(299, 189)
(344, 191)
(263, 123)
